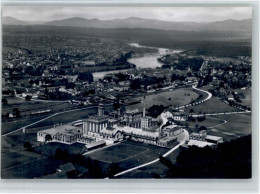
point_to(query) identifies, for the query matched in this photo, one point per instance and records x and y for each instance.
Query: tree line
(231, 159)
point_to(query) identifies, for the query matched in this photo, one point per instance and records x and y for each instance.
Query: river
(145, 61)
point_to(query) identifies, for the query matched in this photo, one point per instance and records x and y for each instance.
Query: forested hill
(229, 160)
(135, 22)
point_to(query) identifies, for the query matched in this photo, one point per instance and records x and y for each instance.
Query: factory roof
(64, 129)
(136, 131)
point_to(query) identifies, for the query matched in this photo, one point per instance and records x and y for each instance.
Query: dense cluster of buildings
(131, 124)
(56, 65)
(52, 74)
(102, 129)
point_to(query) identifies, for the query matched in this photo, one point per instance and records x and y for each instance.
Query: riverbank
(140, 61)
(150, 60)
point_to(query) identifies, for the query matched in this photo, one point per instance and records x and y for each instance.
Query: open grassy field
(13, 153)
(214, 105)
(237, 125)
(208, 122)
(13, 125)
(19, 163)
(128, 154)
(151, 171)
(66, 117)
(27, 107)
(153, 153)
(118, 153)
(60, 118)
(168, 98)
(17, 158)
(32, 169)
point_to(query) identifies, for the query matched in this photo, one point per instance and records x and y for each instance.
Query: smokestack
(144, 107)
(101, 110)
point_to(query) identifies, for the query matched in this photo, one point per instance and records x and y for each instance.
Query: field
(208, 122)
(57, 119)
(128, 154)
(34, 106)
(118, 153)
(237, 125)
(66, 117)
(18, 158)
(151, 171)
(174, 98)
(213, 105)
(18, 163)
(13, 125)
(32, 169)
(27, 107)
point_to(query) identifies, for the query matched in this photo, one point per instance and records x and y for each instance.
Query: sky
(195, 14)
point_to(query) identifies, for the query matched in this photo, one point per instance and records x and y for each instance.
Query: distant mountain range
(132, 22)
(13, 21)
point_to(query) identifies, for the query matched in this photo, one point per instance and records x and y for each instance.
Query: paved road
(199, 102)
(221, 113)
(206, 99)
(186, 137)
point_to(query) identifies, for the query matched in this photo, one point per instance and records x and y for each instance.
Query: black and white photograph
(119, 92)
